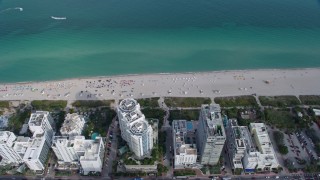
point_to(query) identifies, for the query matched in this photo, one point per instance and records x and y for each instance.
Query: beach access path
(205, 84)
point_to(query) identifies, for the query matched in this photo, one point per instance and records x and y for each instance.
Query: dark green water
(111, 37)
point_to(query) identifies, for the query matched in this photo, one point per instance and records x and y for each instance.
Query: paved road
(107, 166)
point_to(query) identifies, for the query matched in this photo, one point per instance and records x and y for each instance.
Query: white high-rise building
(7, 153)
(184, 147)
(64, 150)
(37, 153)
(41, 122)
(72, 125)
(91, 153)
(134, 128)
(211, 134)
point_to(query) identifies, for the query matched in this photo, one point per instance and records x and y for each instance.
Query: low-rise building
(141, 168)
(91, 153)
(242, 148)
(264, 159)
(72, 125)
(64, 151)
(184, 145)
(7, 153)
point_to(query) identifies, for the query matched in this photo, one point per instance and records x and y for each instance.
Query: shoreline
(144, 74)
(268, 82)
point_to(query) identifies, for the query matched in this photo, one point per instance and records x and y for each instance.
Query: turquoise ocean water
(112, 37)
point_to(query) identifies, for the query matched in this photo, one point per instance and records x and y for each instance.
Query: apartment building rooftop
(213, 119)
(34, 149)
(61, 140)
(139, 127)
(7, 137)
(90, 148)
(128, 105)
(132, 116)
(263, 137)
(21, 145)
(246, 136)
(182, 134)
(37, 118)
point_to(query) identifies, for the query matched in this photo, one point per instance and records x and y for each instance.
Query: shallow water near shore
(112, 37)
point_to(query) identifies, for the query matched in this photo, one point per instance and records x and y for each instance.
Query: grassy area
(47, 105)
(310, 99)
(154, 157)
(184, 172)
(279, 101)
(92, 104)
(184, 115)
(161, 169)
(233, 101)
(59, 119)
(215, 169)
(280, 119)
(155, 114)
(279, 138)
(4, 104)
(17, 120)
(149, 102)
(98, 121)
(186, 101)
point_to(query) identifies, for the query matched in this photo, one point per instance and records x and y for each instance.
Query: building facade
(239, 143)
(184, 146)
(264, 159)
(90, 153)
(41, 122)
(64, 151)
(210, 134)
(37, 154)
(250, 154)
(135, 130)
(7, 153)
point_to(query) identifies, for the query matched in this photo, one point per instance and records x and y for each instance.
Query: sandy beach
(205, 84)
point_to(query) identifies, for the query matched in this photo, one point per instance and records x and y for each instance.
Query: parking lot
(296, 152)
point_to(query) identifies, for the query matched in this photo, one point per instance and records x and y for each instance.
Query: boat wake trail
(58, 18)
(11, 9)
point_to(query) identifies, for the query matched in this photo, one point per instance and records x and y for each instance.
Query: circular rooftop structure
(128, 105)
(139, 127)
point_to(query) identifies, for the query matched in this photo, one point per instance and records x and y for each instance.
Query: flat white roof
(91, 148)
(37, 118)
(34, 150)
